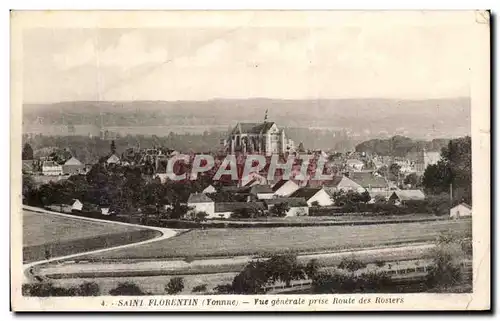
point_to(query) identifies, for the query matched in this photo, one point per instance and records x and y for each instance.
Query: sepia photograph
(250, 160)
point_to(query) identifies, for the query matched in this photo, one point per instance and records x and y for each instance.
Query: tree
(27, 153)
(351, 264)
(312, 268)
(279, 209)
(200, 288)
(113, 147)
(301, 148)
(200, 216)
(88, 289)
(453, 170)
(175, 285)
(446, 270)
(47, 289)
(252, 279)
(126, 288)
(413, 180)
(394, 171)
(285, 268)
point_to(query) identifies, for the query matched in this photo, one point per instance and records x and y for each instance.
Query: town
(137, 181)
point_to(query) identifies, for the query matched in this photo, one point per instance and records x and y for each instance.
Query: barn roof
(306, 192)
(410, 195)
(199, 198)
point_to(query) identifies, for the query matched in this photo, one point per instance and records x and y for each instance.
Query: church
(258, 138)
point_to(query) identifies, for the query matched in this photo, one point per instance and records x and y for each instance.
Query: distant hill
(400, 146)
(358, 118)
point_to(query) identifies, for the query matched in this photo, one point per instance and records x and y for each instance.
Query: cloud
(130, 51)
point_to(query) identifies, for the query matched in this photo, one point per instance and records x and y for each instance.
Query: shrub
(312, 268)
(126, 288)
(348, 283)
(47, 289)
(351, 264)
(446, 270)
(224, 289)
(88, 289)
(175, 285)
(200, 288)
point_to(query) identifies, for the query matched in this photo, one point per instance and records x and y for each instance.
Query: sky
(401, 60)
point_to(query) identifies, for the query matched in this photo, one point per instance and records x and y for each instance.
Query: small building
(261, 192)
(355, 164)
(314, 196)
(400, 197)
(297, 205)
(106, 211)
(51, 168)
(76, 205)
(369, 181)
(199, 202)
(461, 210)
(226, 209)
(73, 166)
(210, 189)
(113, 159)
(342, 183)
(376, 196)
(28, 166)
(285, 188)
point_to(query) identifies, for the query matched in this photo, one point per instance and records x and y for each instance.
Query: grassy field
(230, 242)
(63, 235)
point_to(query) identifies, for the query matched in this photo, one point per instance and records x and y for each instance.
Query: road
(165, 234)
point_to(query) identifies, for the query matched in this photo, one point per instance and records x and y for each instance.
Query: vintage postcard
(250, 160)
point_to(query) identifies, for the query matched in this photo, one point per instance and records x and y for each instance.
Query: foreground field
(55, 235)
(263, 241)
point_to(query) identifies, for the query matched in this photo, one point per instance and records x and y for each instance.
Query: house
(51, 168)
(342, 183)
(400, 197)
(379, 196)
(313, 195)
(113, 159)
(210, 189)
(73, 166)
(226, 209)
(76, 205)
(369, 182)
(284, 188)
(199, 202)
(297, 205)
(28, 166)
(355, 164)
(261, 192)
(105, 211)
(461, 210)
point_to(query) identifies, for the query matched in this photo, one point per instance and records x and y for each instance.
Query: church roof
(253, 128)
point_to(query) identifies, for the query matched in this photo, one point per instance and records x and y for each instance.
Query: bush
(126, 288)
(47, 290)
(447, 270)
(348, 283)
(88, 289)
(200, 288)
(312, 268)
(224, 289)
(351, 264)
(175, 285)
